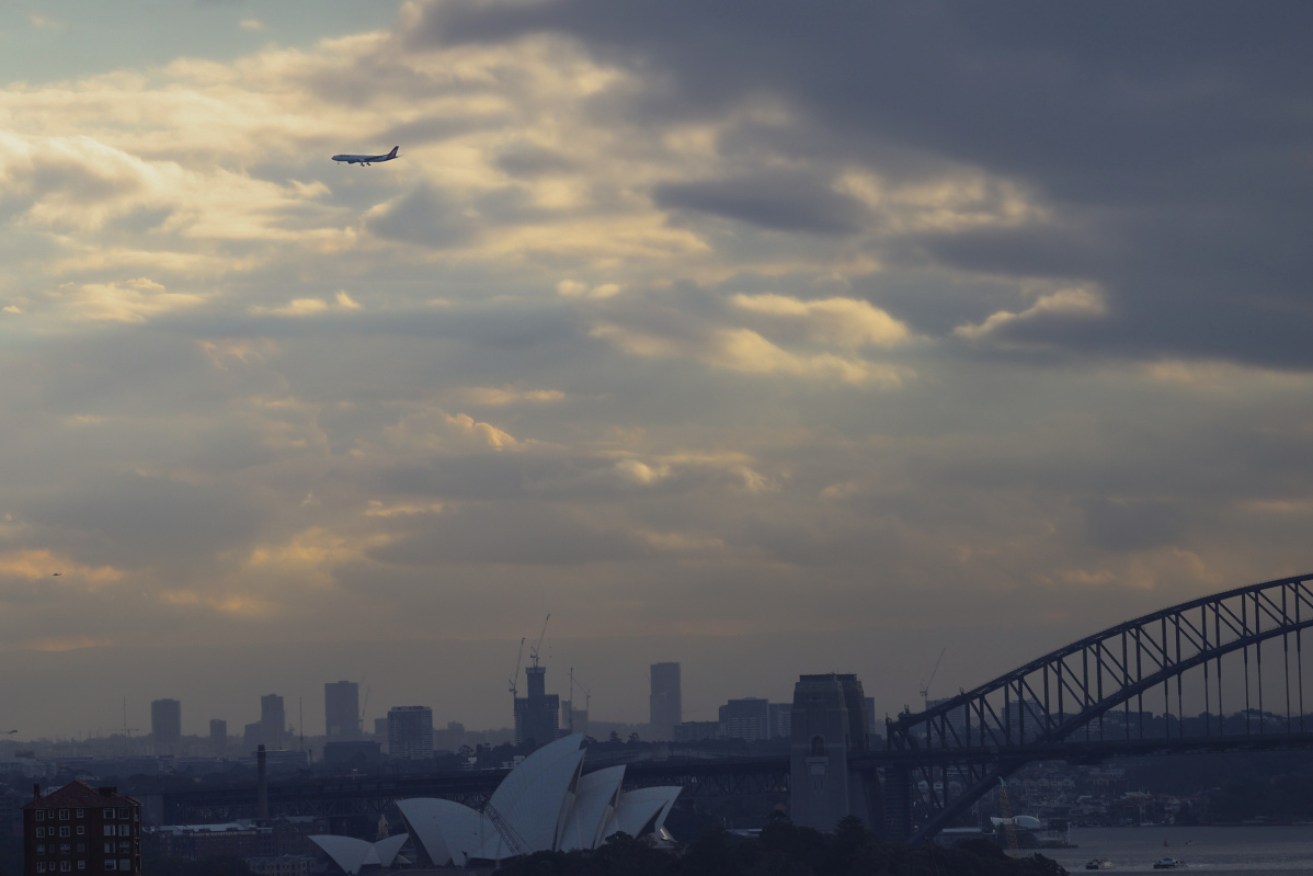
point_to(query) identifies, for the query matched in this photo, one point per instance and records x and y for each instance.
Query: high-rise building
(83, 830)
(218, 736)
(273, 722)
(410, 732)
(166, 726)
(537, 714)
(342, 710)
(748, 719)
(664, 710)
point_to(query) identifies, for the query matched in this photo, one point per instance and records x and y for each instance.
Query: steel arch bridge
(1088, 700)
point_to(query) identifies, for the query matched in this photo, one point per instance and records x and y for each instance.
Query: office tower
(218, 736)
(410, 732)
(166, 726)
(536, 715)
(342, 710)
(747, 719)
(273, 723)
(664, 703)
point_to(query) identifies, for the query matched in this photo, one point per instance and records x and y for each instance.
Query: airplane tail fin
(393, 153)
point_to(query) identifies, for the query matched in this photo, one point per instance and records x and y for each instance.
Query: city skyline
(766, 341)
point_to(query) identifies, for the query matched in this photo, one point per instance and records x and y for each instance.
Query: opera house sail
(547, 803)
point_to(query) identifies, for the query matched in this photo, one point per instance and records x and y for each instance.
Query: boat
(1099, 864)
(1169, 864)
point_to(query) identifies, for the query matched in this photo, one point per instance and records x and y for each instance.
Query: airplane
(366, 159)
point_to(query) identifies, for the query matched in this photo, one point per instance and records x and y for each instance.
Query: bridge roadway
(702, 779)
(330, 796)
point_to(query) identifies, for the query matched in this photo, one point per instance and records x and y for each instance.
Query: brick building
(81, 831)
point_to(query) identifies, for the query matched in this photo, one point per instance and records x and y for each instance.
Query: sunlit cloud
(132, 301)
(1076, 303)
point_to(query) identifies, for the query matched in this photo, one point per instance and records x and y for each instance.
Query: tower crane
(513, 686)
(925, 685)
(537, 646)
(588, 697)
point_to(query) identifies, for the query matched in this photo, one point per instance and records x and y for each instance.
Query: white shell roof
(387, 848)
(352, 854)
(532, 801)
(543, 804)
(596, 798)
(643, 810)
(449, 832)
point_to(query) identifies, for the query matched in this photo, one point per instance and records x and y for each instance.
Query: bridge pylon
(828, 727)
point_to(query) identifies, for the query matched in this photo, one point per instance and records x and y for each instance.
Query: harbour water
(1272, 851)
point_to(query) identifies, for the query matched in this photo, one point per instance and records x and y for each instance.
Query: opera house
(547, 803)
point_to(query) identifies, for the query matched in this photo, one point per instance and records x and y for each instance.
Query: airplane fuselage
(366, 159)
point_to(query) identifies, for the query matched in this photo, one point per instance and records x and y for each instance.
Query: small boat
(1169, 864)
(1099, 864)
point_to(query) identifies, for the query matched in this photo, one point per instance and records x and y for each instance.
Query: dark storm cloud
(774, 202)
(423, 216)
(124, 520)
(1168, 140)
(528, 160)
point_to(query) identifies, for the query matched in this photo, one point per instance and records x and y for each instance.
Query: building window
(41, 815)
(65, 866)
(41, 866)
(40, 848)
(40, 832)
(111, 864)
(125, 830)
(63, 815)
(107, 812)
(125, 864)
(82, 813)
(109, 830)
(63, 831)
(818, 746)
(82, 830)
(108, 848)
(82, 865)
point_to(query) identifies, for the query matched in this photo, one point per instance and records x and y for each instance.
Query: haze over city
(766, 337)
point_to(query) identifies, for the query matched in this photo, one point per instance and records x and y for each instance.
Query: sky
(769, 337)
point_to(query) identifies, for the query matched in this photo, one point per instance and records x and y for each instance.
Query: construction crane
(363, 705)
(537, 647)
(588, 697)
(925, 685)
(514, 683)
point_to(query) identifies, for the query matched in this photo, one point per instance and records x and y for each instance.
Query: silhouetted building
(342, 710)
(829, 724)
(747, 719)
(166, 726)
(218, 736)
(410, 732)
(665, 709)
(273, 723)
(781, 720)
(83, 830)
(536, 714)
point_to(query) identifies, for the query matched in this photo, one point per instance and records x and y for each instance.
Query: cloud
(776, 202)
(843, 322)
(656, 317)
(1054, 308)
(131, 301)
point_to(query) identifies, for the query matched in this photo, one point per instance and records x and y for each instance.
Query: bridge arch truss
(1240, 650)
